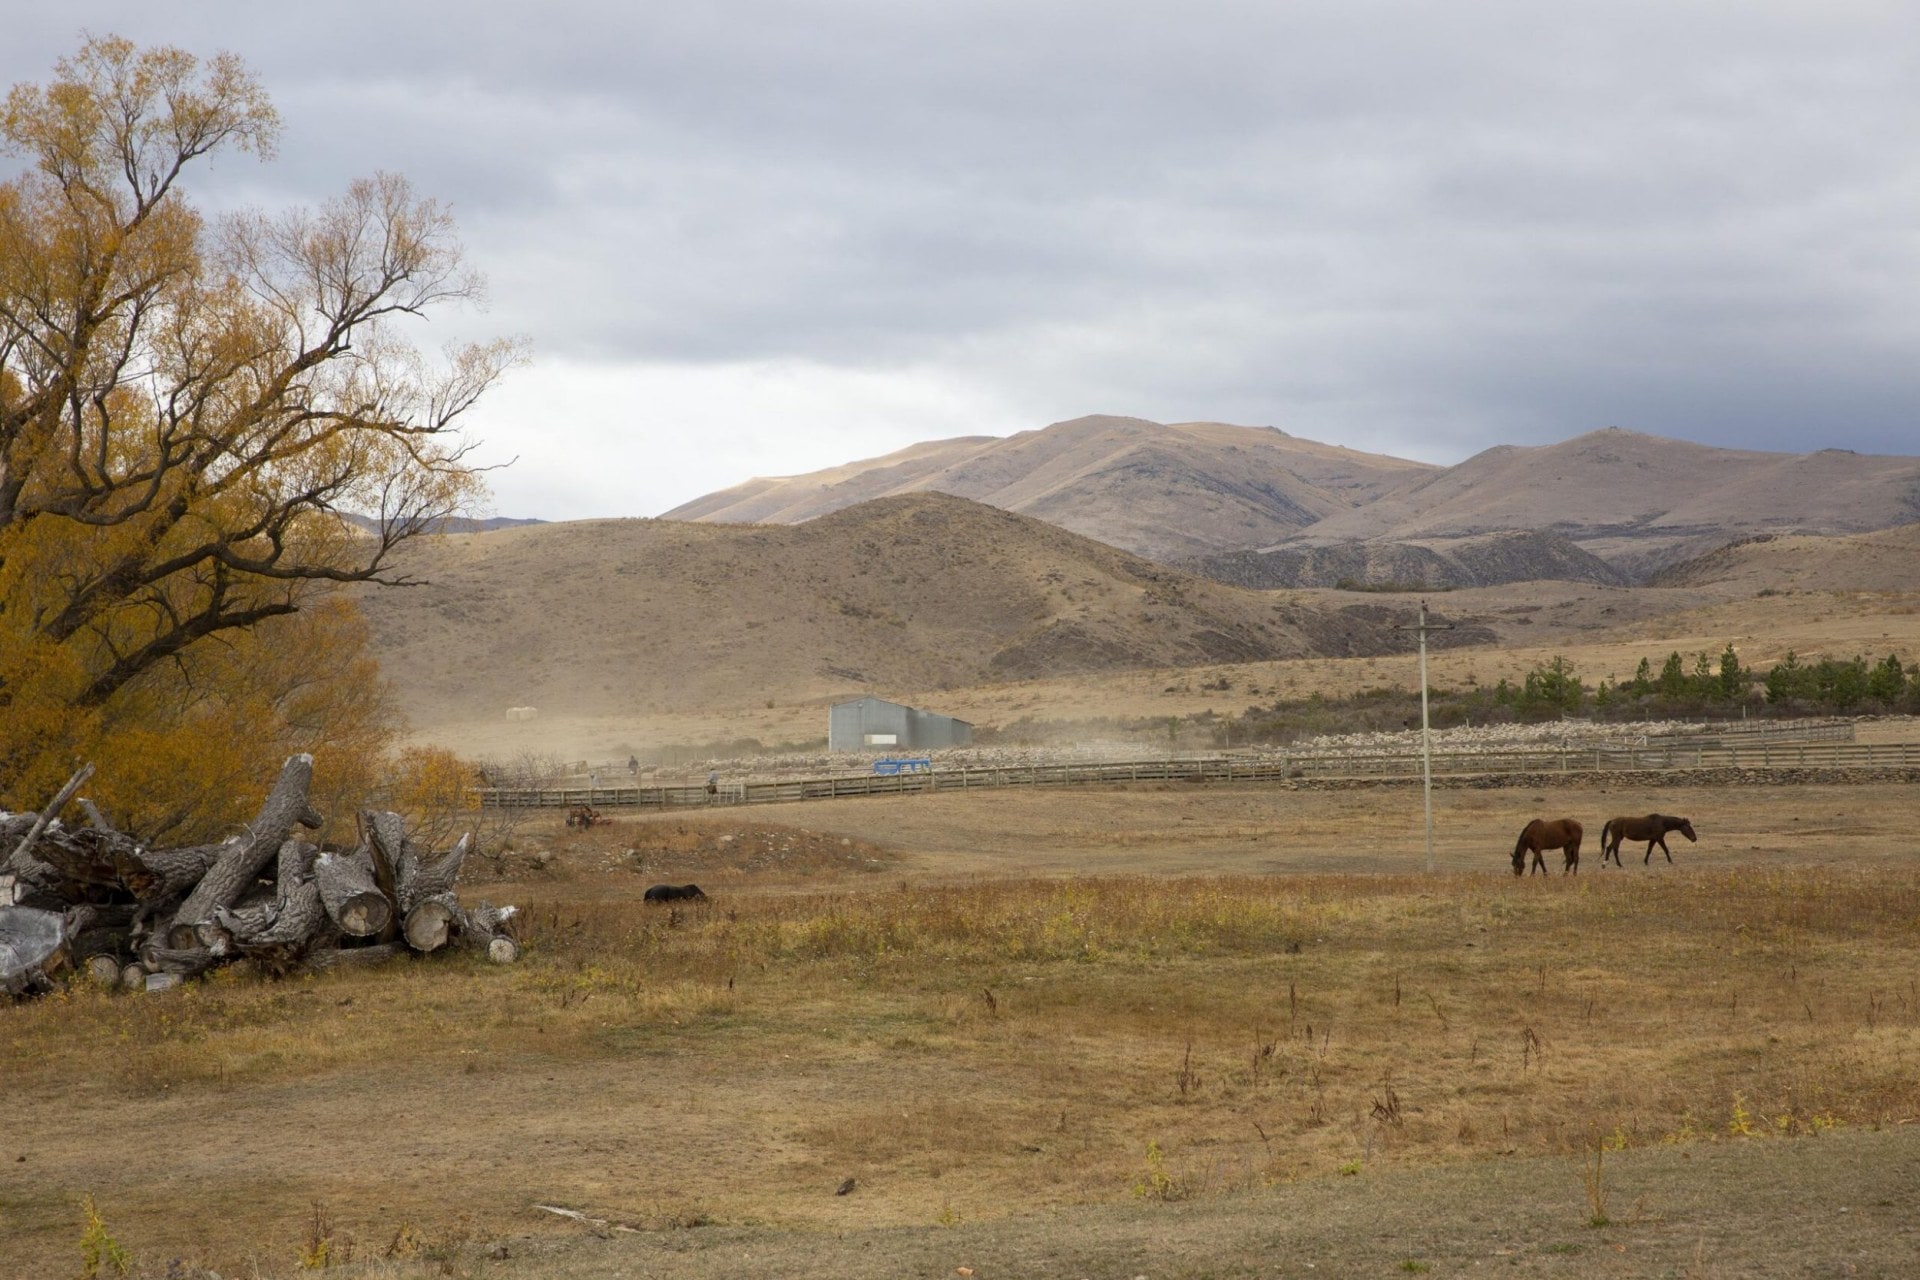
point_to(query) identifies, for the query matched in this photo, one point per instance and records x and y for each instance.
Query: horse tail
(1606, 833)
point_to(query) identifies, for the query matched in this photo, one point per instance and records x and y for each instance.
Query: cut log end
(503, 950)
(103, 971)
(33, 948)
(365, 916)
(429, 926)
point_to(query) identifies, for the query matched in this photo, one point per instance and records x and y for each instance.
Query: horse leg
(1662, 841)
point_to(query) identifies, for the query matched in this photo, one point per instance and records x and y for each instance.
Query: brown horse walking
(1542, 834)
(1653, 829)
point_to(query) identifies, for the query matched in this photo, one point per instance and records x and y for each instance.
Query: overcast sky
(761, 238)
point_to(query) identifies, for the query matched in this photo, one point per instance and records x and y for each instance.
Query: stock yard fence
(1680, 755)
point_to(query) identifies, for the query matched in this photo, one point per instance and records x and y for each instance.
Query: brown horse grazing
(1542, 834)
(1653, 829)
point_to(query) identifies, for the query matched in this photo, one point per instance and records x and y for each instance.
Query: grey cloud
(1388, 224)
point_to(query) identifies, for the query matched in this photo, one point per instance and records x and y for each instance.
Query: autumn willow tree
(189, 410)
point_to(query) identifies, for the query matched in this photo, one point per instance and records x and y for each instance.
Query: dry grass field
(1166, 1031)
(1150, 1031)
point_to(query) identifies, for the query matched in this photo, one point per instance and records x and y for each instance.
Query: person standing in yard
(713, 785)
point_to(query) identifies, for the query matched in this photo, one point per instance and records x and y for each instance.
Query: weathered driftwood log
(349, 895)
(32, 949)
(240, 863)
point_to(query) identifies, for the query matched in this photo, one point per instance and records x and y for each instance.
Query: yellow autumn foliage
(206, 430)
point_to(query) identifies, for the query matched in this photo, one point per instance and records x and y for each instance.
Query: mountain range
(1258, 507)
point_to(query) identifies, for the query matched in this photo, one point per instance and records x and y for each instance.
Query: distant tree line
(1679, 688)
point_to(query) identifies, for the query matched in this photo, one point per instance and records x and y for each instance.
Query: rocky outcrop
(1487, 560)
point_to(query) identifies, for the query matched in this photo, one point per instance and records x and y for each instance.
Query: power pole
(1426, 733)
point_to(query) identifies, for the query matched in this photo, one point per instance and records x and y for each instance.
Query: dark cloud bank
(1412, 228)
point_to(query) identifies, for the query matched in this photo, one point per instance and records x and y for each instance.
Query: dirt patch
(730, 848)
(1842, 1205)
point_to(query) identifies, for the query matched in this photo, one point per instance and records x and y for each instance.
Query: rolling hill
(925, 591)
(1637, 501)
(1885, 560)
(1161, 491)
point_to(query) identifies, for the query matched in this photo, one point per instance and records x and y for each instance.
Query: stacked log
(96, 902)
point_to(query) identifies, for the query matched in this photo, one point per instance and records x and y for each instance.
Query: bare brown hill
(1886, 560)
(1164, 491)
(1638, 501)
(923, 592)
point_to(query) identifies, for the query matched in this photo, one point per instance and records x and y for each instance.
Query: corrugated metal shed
(867, 723)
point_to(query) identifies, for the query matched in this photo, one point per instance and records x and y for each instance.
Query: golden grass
(966, 1051)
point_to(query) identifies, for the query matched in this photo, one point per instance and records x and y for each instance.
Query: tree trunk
(348, 894)
(383, 839)
(182, 962)
(241, 862)
(33, 948)
(485, 928)
(432, 923)
(104, 970)
(421, 879)
(161, 874)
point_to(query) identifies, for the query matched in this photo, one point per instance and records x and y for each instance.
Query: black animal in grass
(675, 893)
(1548, 833)
(1653, 829)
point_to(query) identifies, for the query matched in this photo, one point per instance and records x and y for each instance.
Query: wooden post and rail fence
(1657, 755)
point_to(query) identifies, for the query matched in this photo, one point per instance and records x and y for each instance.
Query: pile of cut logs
(96, 899)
